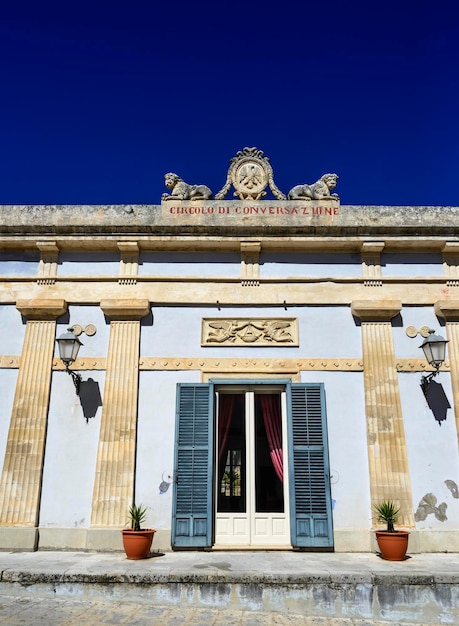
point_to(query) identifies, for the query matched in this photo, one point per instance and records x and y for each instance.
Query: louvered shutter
(310, 498)
(192, 506)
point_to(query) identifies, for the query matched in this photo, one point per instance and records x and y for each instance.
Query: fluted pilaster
(20, 484)
(115, 466)
(449, 310)
(387, 454)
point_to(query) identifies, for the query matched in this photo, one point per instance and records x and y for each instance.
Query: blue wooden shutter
(192, 506)
(310, 497)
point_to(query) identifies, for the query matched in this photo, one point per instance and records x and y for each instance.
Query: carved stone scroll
(249, 331)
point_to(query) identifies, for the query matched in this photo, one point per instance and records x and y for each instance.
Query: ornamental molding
(249, 331)
(235, 365)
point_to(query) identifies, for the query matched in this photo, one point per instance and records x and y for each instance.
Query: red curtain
(271, 410)
(225, 411)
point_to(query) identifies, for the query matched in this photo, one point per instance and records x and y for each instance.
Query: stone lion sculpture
(180, 190)
(320, 190)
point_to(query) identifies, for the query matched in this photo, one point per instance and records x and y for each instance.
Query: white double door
(252, 491)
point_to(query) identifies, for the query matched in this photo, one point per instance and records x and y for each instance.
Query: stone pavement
(246, 587)
(16, 611)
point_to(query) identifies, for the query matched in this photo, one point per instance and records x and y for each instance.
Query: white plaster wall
(12, 330)
(155, 442)
(324, 332)
(95, 346)
(19, 263)
(88, 264)
(226, 264)
(329, 332)
(8, 380)
(432, 449)
(71, 445)
(347, 439)
(281, 264)
(407, 347)
(70, 456)
(411, 264)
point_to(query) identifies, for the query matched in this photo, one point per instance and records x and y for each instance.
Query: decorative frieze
(249, 331)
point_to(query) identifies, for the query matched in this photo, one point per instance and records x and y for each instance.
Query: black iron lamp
(434, 347)
(69, 344)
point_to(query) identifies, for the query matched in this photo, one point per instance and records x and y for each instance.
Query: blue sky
(100, 99)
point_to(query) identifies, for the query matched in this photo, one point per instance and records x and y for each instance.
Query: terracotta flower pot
(393, 546)
(137, 543)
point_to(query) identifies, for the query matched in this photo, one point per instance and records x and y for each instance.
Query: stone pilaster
(20, 484)
(129, 264)
(250, 263)
(47, 270)
(371, 262)
(449, 310)
(387, 454)
(115, 465)
(451, 262)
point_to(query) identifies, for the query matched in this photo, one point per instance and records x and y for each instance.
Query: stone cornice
(376, 310)
(44, 309)
(230, 243)
(231, 218)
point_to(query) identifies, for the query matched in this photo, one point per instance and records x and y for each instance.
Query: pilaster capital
(372, 247)
(48, 247)
(376, 310)
(448, 309)
(250, 247)
(42, 309)
(128, 246)
(125, 309)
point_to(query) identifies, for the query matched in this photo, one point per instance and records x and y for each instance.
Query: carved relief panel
(248, 331)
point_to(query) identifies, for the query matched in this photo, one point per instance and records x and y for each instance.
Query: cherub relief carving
(250, 331)
(320, 190)
(180, 190)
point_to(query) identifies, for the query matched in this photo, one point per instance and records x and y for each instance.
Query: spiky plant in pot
(387, 512)
(137, 515)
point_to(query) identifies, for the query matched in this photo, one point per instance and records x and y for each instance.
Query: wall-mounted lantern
(434, 347)
(69, 345)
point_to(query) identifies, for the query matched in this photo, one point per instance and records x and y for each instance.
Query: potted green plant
(392, 543)
(137, 540)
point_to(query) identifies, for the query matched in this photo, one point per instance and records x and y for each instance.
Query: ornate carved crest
(249, 331)
(250, 173)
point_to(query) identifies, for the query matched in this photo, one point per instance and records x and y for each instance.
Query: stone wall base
(109, 540)
(84, 539)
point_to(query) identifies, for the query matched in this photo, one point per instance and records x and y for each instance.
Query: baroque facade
(250, 369)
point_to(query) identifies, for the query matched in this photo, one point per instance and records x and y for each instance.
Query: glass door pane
(269, 487)
(231, 496)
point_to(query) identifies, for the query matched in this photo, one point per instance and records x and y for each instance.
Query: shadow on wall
(90, 398)
(436, 399)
